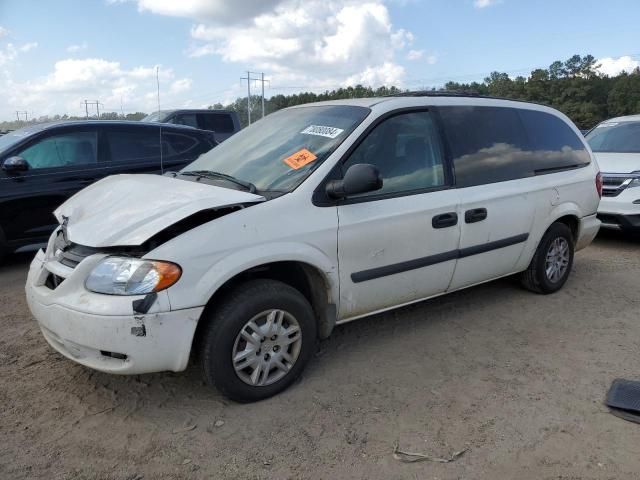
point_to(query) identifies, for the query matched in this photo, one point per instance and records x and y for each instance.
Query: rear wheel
(258, 340)
(3, 245)
(552, 262)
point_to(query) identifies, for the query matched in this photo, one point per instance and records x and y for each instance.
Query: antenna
(158, 84)
(161, 153)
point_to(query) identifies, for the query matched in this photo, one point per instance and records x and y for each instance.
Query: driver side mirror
(359, 178)
(15, 164)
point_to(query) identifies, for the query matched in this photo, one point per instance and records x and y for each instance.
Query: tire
(3, 246)
(536, 277)
(257, 301)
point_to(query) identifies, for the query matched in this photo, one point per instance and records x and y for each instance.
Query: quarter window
(64, 150)
(139, 144)
(406, 150)
(555, 146)
(182, 146)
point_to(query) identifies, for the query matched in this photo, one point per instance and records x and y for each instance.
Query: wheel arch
(318, 285)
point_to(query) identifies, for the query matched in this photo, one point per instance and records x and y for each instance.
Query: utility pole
(262, 83)
(250, 79)
(22, 112)
(86, 107)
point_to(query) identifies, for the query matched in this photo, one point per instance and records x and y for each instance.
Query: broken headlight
(132, 276)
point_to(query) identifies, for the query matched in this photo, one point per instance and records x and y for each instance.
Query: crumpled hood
(618, 162)
(126, 210)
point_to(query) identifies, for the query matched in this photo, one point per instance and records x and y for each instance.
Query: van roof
(626, 118)
(434, 98)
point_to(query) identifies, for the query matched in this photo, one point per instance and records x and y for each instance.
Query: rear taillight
(599, 184)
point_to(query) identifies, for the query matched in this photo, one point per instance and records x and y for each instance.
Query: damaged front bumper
(102, 331)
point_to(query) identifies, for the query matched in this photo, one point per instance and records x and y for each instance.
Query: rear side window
(216, 122)
(554, 145)
(188, 119)
(183, 146)
(488, 144)
(134, 145)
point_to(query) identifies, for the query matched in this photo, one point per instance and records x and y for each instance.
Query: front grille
(53, 281)
(614, 183)
(73, 254)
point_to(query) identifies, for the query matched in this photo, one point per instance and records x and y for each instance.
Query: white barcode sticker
(322, 131)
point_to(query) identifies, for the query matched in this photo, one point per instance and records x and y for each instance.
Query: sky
(58, 53)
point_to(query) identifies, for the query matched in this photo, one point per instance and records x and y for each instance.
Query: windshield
(154, 117)
(616, 137)
(9, 139)
(280, 151)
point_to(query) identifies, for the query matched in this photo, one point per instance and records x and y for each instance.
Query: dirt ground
(517, 378)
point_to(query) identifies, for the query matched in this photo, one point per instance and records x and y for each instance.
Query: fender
(240, 261)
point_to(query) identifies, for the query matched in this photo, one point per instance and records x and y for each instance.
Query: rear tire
(552, 262)
(3, 246)
(257, 340)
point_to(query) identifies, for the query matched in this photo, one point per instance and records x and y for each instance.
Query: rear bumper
(616, 221)
(587, 231)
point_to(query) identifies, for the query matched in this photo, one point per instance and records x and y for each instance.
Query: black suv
(223, 123)
(43, 165)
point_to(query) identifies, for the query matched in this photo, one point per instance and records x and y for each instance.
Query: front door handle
(475, 215)
(445, 220)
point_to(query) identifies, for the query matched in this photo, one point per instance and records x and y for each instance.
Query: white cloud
(28, 46)
(415, 54)
(72, 80)
(218, 11)
(485, 3)
(310, 42)
(77, 48)
(10, 52)
(181, 85)
(613, 66)
(3, 31)
(432, 59)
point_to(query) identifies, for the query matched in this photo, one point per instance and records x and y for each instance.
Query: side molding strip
(378, 272)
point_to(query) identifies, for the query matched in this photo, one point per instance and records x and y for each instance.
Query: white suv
(616, 145)
(315, 216)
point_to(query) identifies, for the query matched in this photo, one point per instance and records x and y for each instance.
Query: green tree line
(575, 87)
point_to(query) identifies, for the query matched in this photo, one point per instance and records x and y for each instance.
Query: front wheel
(552, 262)
(258, 340)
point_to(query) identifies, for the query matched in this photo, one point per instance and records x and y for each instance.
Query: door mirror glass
(359, 178)
(15, 164)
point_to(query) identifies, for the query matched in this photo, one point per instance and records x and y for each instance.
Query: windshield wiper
(211, 174)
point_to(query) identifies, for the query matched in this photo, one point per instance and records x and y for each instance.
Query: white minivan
(314, 216)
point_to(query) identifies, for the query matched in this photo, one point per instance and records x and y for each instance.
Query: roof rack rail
(456, 93)
(436, 93)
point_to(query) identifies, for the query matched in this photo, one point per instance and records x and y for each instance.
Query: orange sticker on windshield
(300, 159)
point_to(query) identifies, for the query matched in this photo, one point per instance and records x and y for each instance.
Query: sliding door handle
(475, 215)
(444, 220)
